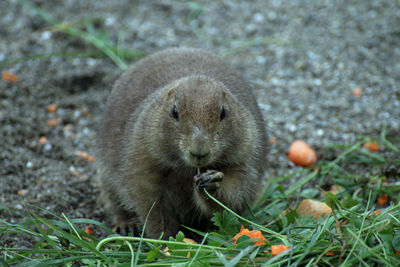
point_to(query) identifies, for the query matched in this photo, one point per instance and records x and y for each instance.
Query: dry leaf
(89, 230)
(84, 156)
(254, 234)
(6, 76)
(312, 207)
(277, 249)
(383, 200)
(372, 147)
(377, 212)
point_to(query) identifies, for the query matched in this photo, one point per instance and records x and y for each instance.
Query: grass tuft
(83, 30)
(360, 230)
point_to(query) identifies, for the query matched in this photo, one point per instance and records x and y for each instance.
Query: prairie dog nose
(199, 147)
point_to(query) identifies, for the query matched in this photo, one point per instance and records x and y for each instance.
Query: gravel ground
(303, 57)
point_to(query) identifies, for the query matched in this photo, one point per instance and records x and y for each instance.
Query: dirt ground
(303, 58)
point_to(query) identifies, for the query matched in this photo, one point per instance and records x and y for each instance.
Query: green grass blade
(300, 183)
(102, 45)
(233, 262)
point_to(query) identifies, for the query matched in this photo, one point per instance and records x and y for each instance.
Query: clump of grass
(359, 230)
(83, 30)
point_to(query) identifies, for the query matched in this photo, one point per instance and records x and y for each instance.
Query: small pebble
(48, 147)
(46, 35)
(53, 122)
(357, 91)
(43, 140)
(52, 108)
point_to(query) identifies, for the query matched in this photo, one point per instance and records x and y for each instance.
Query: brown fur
(148, 159)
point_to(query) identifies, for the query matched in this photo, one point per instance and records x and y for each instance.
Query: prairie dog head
(200, 123)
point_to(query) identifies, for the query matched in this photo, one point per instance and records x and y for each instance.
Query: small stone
(313, 207)
(258, 17)
(43, 140)
(357, 91)
(52, 108)
(53, 122)
(48, 147)
(46, 35)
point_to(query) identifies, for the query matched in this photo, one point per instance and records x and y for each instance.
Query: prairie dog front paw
(209, 180)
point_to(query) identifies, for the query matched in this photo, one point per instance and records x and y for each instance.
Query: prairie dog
(170, 113)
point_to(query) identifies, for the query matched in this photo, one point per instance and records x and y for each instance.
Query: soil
(304, 58)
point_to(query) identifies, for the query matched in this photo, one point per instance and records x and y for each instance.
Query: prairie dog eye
(174, 113)
(223, 114)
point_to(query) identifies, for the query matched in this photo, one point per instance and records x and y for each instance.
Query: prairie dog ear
(170, 92)
(227, 96)
(223, 95)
